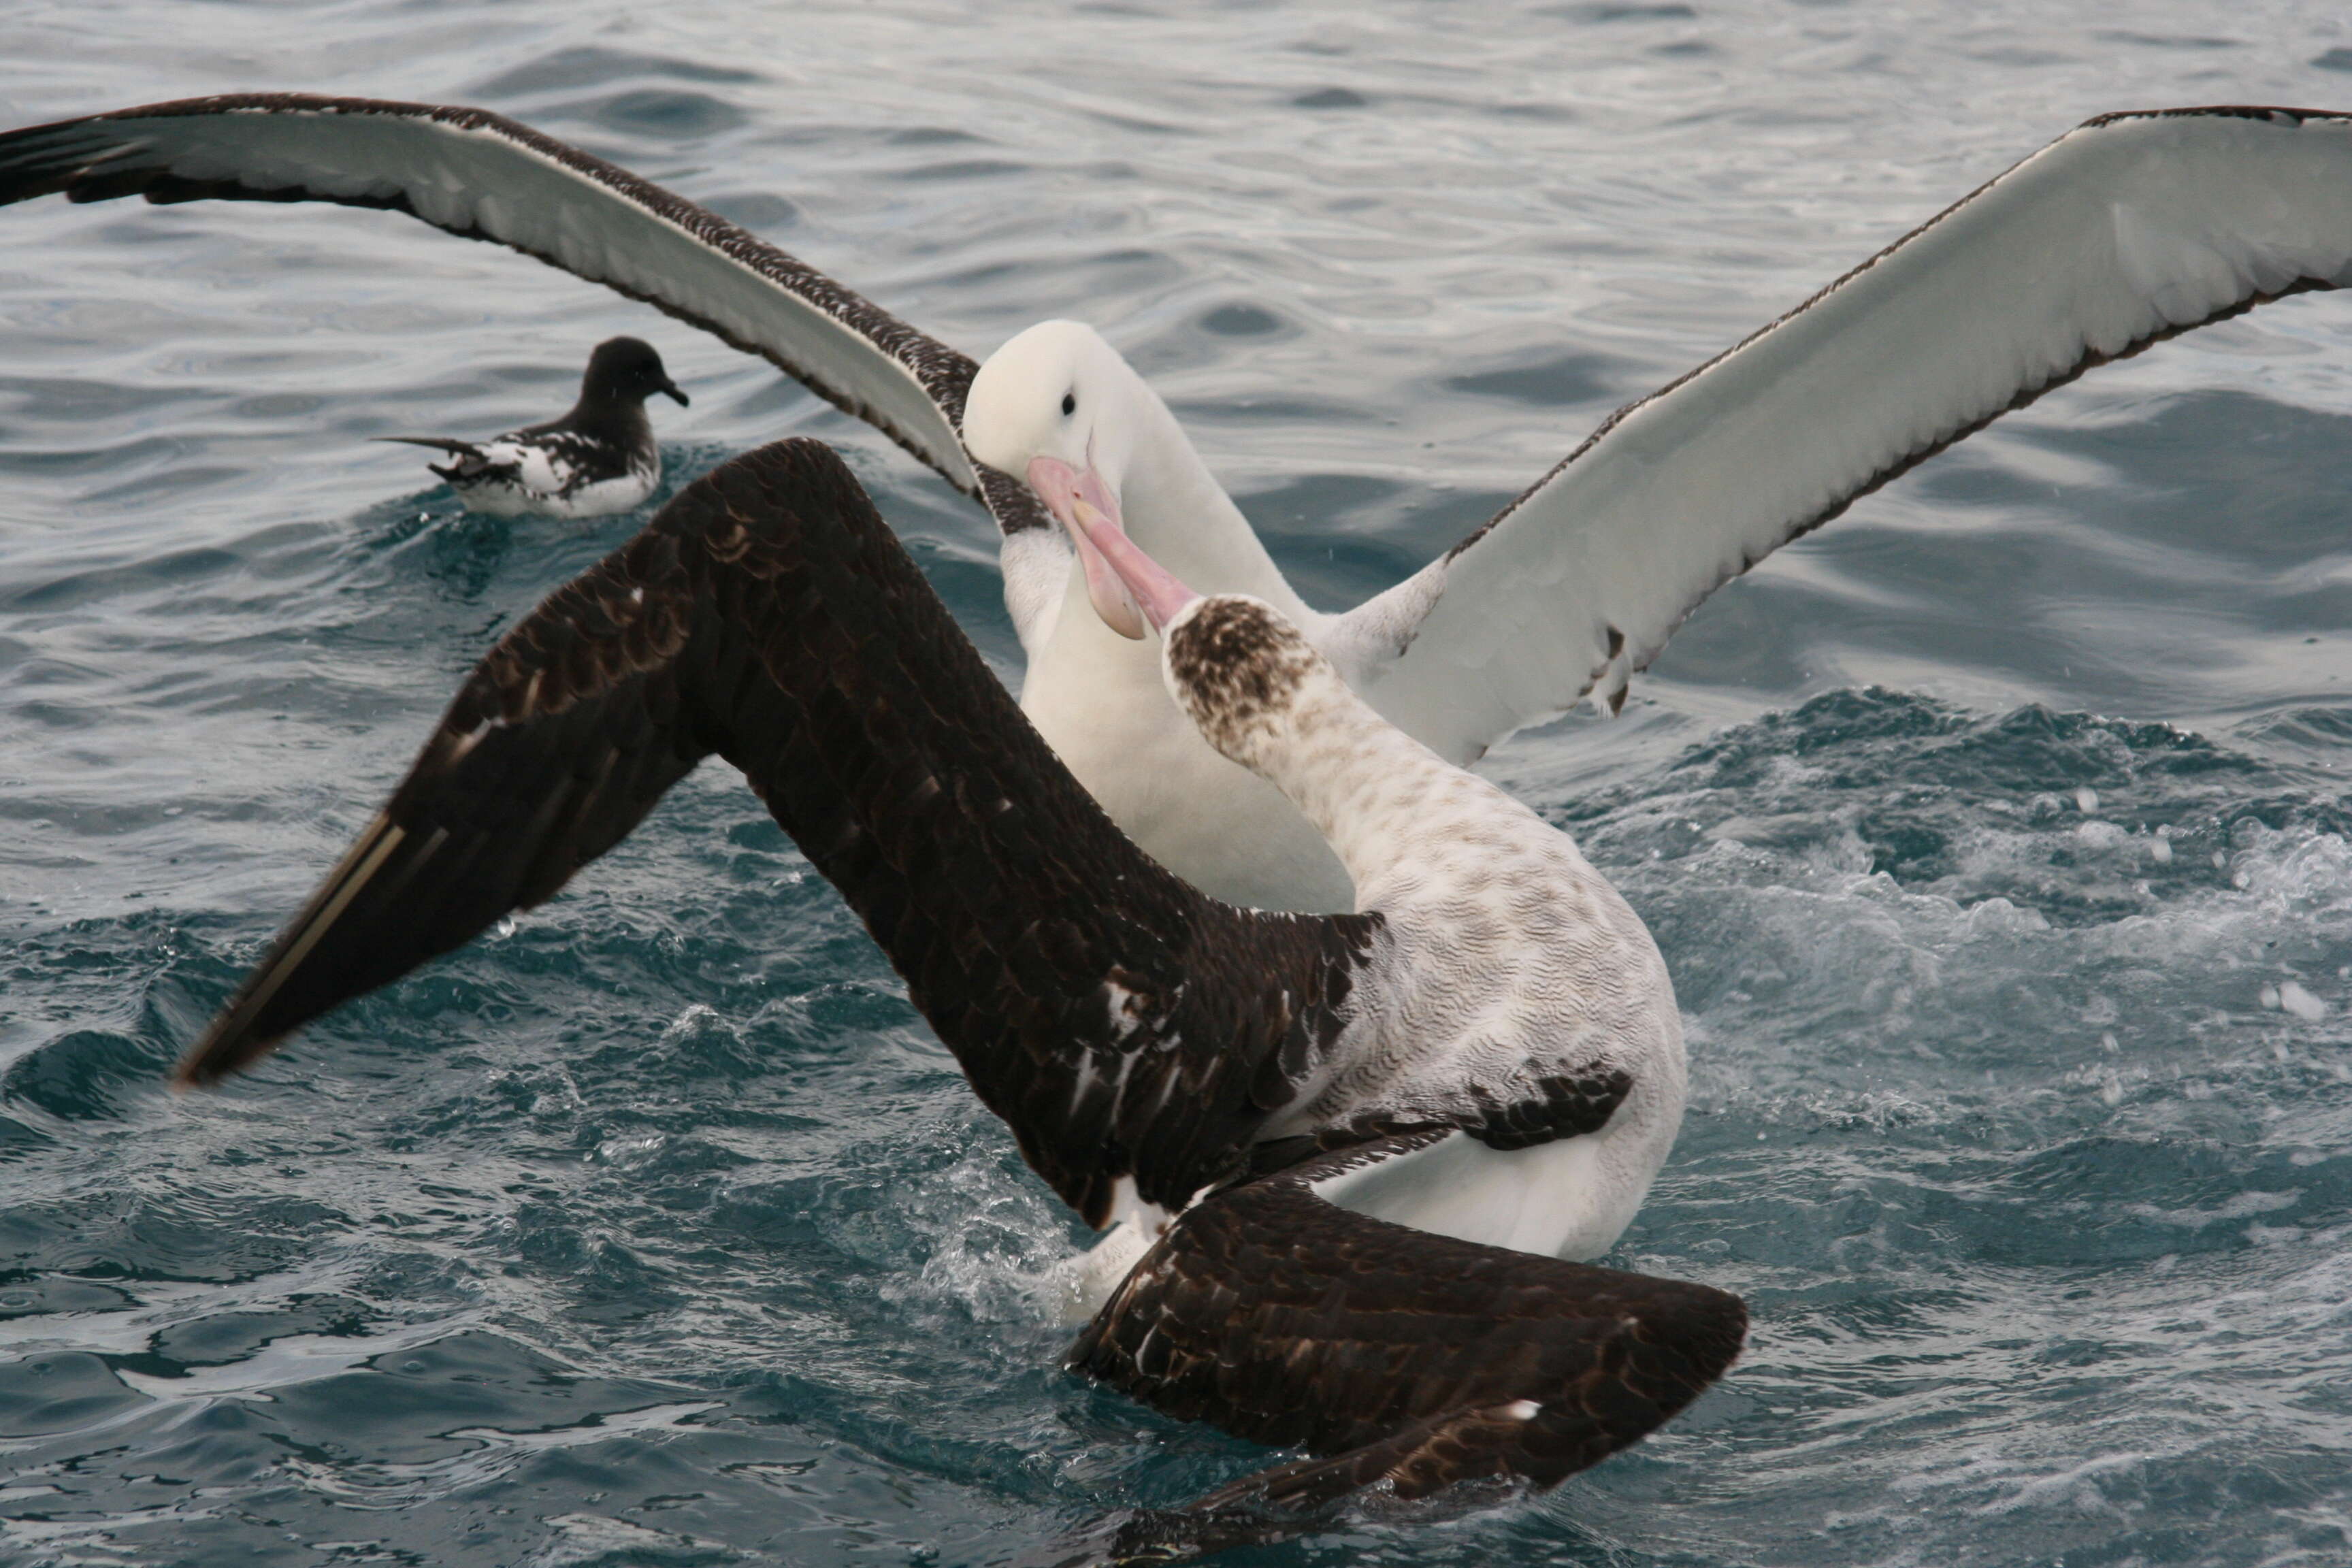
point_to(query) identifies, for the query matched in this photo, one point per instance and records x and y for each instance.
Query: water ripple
(1997, 835)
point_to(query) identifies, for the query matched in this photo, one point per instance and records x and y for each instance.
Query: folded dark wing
(1123, 1023)
(482, 176)
(1391, 1354)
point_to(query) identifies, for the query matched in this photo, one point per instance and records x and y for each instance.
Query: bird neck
(1260, 693)
(1367, 786)
(611, 416)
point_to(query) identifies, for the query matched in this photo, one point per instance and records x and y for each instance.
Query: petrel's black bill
(671, 387)
(438, 442)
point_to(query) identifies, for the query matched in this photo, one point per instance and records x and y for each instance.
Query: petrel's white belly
(1097, 699)
(545, 485)
(604, 497)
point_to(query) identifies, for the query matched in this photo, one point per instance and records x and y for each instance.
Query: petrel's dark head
(625, 371)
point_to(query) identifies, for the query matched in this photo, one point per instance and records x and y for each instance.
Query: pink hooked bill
(1064, 489)
(1161, 594)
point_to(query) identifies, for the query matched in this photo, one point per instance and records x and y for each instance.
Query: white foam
(2295, 999)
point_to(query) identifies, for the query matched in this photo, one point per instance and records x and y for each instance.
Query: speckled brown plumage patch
(1236, 660)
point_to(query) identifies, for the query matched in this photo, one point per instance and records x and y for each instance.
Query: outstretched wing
(483, 176)
(1389, 1354)
(1122, 1023)
(2129, 229)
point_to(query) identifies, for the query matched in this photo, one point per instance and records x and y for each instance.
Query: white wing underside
(2130, 228)
(2127, 229)
(477, 175)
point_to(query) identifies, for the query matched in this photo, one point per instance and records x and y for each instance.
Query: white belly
(1561, 1199)
(1096, 698)
(538, 488)
(604, 497)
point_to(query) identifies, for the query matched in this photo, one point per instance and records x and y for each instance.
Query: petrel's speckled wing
(1123, 1023)
(483, 176)
(1389, 1354)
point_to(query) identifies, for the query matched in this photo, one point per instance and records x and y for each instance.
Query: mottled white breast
(1509, 959)
(1504, 960)
(545, 481)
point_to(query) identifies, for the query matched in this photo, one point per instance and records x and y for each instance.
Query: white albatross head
(1057, 406)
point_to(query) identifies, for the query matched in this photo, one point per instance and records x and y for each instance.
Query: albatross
(2128, 229)
(1355, 1155)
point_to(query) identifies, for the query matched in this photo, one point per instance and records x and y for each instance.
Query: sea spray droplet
(2295, 999)
(2099, 836)
(2086, 800)
(2268, 998)
(2161, 851)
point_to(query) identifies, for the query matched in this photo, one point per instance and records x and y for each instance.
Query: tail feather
(441, 443)
(471, 465)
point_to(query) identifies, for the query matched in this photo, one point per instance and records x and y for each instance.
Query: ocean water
(1998, 836)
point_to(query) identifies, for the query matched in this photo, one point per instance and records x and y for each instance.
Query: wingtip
(222, 1051)
(192, 1073)
(246, 1030)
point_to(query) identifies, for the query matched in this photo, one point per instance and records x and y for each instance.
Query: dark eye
(1069, 403)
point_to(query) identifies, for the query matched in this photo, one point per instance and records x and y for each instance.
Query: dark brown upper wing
(483, 176)
(1388, 1353)
(1123, 1023)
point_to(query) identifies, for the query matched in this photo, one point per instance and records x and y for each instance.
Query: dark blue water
(1997, 835)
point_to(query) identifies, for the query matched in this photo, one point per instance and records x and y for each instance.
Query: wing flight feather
(1390, 1354)
(2129, 229)
(1123, 1023)
(483, 176)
